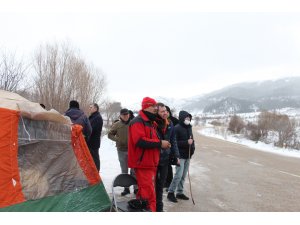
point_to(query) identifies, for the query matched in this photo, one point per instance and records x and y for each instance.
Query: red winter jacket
(143, 143)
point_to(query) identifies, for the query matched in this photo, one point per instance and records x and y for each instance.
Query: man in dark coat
(95, 139)
(186, 146)
(77, 116)
(166, 131)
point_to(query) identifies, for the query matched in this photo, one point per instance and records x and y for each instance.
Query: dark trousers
(161, 176)
(96, 157)
(169, 176)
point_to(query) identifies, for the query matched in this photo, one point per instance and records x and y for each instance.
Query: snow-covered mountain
(249, 97)
(240, 98)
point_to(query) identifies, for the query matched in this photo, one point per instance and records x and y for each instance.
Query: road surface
(228, 177)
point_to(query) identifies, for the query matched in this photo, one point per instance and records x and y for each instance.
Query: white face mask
(187, 122)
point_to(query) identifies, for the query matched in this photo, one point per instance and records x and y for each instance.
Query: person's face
(168, 113)
(92, 109)
(152, 109)
(124, 117)
(162, 112)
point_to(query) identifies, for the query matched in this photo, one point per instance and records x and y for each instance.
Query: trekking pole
(189, 174)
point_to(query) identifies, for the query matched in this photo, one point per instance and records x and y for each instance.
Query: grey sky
(172, 54)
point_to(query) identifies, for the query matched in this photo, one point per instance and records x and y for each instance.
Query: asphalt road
(228, 177)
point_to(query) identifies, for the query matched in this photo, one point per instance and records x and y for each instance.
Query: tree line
(269, 126)
(56, 74)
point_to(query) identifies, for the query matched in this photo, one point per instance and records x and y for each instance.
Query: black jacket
(168, 135)
(77, 116)
(97, 123)
(183, 133)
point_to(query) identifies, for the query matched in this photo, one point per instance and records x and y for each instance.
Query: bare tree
(285, 128)
(236, 124)
(62, 75)
(253, 132)
(111, 111)
(12, 72)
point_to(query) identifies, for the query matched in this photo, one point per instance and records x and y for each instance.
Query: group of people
(91, 127)
(148, 144)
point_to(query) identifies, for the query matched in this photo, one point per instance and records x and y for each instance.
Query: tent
(45, 164)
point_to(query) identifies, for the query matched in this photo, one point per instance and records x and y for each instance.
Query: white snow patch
(109, 162)
(210, 132)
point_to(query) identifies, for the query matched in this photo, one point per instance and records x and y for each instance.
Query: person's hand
(190, 141)
(165, 144)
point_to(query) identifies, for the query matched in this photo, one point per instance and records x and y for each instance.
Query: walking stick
(189, 175)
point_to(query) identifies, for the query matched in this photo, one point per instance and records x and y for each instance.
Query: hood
(183, 115)
(74, 113)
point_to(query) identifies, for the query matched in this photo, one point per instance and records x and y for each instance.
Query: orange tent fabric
(10, 186)
(85, 159)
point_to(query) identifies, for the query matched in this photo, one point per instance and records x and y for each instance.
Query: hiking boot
(182, 196)
(171, 197)
(125, 192)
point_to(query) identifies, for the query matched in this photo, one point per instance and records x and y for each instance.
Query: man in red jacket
(144, 150)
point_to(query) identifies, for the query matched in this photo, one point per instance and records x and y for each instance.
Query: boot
(182, 196)
(171, 197)
(125, 192)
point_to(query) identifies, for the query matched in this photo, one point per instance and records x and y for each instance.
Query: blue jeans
(179, 177)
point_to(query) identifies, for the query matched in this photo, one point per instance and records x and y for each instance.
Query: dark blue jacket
(77, 116)
(183, 133)
(97, 124)
(169, 135)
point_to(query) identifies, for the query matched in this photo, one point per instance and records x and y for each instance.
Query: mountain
(248, 97)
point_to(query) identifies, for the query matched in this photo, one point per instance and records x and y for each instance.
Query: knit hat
(74, 104)
(147, 102)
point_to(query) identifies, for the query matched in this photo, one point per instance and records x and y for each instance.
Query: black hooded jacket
(183, 133)
(77, 116)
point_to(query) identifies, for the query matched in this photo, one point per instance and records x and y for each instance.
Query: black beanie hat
(74, 104)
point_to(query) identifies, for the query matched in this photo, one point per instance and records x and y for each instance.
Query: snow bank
(211, 132)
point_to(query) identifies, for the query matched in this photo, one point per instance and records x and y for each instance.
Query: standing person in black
(77, 116)
(95, 139)
(186, 147)
(169, 178)
(166, 131)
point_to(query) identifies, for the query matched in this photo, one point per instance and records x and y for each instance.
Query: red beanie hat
(147, 102)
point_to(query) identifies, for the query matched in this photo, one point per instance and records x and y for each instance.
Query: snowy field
(211, 132)
(109, 162)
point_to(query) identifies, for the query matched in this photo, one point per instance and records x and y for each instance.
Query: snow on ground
(109, 162)
(211, 132)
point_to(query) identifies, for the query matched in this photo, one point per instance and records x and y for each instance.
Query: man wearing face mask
(186, 146)
(144, 147)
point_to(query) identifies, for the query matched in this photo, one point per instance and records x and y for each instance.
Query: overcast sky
(169, 51)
